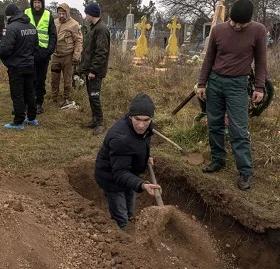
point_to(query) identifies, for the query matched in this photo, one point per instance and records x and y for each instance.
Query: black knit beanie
(11, 10)
(242, 11)
(93, 10)
(142, 105)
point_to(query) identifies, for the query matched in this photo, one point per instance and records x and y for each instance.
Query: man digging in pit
(124, 155)
(233, 46)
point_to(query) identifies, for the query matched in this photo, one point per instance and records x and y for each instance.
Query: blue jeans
(121, 206)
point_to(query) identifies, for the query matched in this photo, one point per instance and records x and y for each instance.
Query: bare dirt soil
(58, 219)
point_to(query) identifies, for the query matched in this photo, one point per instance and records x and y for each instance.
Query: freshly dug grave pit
(243, 247)
(158, 230)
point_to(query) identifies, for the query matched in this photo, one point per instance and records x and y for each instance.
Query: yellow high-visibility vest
(42, 27)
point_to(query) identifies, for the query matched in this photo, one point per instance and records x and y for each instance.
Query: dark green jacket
(96, 50)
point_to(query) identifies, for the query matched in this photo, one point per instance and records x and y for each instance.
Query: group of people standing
(34, 38)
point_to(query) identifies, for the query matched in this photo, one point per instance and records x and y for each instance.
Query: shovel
(191, 158)
(154, 181)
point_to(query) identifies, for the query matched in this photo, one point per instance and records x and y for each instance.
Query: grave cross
(130, 8)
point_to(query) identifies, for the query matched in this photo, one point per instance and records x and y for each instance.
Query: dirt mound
(45, 223)
(24, 242)
(178, 238)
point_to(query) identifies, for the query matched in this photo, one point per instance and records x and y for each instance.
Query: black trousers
(41, 70)
(121, 206)
(94, 89)
(22, 93)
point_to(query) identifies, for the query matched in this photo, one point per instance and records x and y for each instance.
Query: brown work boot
(98, 130)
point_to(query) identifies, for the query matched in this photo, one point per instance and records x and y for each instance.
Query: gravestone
(129, 39)
(172, 49)
(2, 25)
(188, 28)
(141, 49)
(153, 34)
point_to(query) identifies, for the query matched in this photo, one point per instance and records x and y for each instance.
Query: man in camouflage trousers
(67, 53)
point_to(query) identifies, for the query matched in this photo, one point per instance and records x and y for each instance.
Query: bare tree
(265, 9)
(190, 9)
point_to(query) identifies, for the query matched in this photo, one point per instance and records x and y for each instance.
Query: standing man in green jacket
(94, 63)
(44, 23)
(233, 46)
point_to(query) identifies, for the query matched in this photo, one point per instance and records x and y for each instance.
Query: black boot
(91, 125)
(244, 182)
(213, 167)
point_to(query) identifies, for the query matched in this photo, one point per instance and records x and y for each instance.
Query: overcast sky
(79, 3)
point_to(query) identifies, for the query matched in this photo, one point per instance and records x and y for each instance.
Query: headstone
(153, 34)
(141, 49)
(188, 28)
(2, 25)
(172, 49)
(129, 40)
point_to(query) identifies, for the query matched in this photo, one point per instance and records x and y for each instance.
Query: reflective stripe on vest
(42, 27)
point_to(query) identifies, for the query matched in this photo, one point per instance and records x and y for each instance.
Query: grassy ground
(61, 137)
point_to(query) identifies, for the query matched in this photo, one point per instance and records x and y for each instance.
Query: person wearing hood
(17, 49)
(233, 47)
(44, 23)
(67, 52)
(94, 63)
(124, 155)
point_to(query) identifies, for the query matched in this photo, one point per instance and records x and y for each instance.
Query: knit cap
(142, 105)
(93, 10)
(242, 11)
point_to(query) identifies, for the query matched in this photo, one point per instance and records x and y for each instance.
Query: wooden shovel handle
(154, 181)
(168, 140)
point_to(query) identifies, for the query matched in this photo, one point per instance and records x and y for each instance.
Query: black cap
(242, 11)
(142, 105)
(12, 10)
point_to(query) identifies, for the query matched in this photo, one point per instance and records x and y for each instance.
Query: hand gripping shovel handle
(154, 181)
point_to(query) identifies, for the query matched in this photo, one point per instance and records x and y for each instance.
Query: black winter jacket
(95, 56)
(17, 47)
(122, 158)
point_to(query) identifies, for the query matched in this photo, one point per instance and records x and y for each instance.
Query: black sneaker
(213, 167)
(244, 182)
